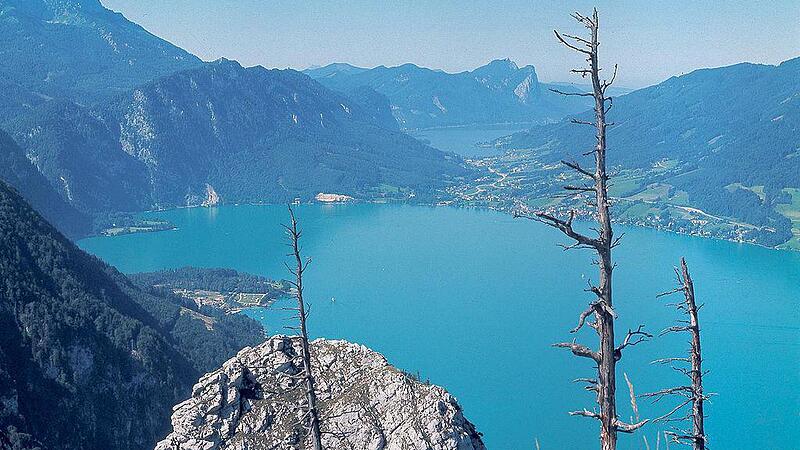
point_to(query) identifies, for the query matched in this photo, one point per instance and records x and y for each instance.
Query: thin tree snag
(692, 394)
(623, 427)
(311, 415)
(601, 309)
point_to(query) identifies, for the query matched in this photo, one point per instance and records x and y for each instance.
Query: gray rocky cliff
(253, 403)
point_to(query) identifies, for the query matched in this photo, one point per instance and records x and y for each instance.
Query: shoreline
(433, 205)
(472, 125)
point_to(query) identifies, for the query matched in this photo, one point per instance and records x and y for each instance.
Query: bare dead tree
(311, 414)
(691, 394)
(601, 308)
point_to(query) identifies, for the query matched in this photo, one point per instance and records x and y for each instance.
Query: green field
(758, 190)
(624, 184)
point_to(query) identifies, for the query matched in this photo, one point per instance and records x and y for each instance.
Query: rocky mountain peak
(505, 75)
(505, 62)
(252, 402)
(499, 68)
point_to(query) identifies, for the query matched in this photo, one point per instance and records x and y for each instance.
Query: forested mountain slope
(258, 134)
(725, 141)
(81, 157)
(87, 359)
(18, 171)
(243, 134)
(80, 50)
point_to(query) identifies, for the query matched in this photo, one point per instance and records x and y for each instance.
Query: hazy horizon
(650, 42)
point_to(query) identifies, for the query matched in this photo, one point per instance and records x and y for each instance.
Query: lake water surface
(473, 299)
(464, 139)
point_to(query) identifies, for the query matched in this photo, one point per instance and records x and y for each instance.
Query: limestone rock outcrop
(254, 403)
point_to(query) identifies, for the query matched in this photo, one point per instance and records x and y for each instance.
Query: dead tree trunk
(312, 413)
(693, 394)
(602, 307)
(698, 430)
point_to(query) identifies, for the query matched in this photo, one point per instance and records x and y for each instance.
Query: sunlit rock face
(254, 402)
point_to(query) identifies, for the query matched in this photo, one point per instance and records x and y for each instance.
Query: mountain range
(101, 117)
(499, 92)
(246, 134)
(133, 123)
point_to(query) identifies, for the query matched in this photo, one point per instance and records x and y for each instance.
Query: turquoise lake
(473, 299)
(464, 140)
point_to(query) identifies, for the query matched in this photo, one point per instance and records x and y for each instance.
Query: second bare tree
(691, 394)
(312, 413)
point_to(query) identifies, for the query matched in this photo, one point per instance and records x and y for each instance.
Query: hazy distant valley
(696, 176)
(699, 175)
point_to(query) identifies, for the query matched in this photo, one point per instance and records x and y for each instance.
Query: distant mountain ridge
(333, 70)
(116, 120)
(288, 134)
(498, 92)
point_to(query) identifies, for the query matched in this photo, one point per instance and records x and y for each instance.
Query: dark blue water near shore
(473, 299)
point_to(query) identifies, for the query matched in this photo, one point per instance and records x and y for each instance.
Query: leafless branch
(575, 166)
(563, 41)
(630, 427)
(574, 94)
(633, 338)
(579, 350)
(585, 413)
(582, 318)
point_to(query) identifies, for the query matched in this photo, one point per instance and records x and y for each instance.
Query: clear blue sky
(649, 40)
